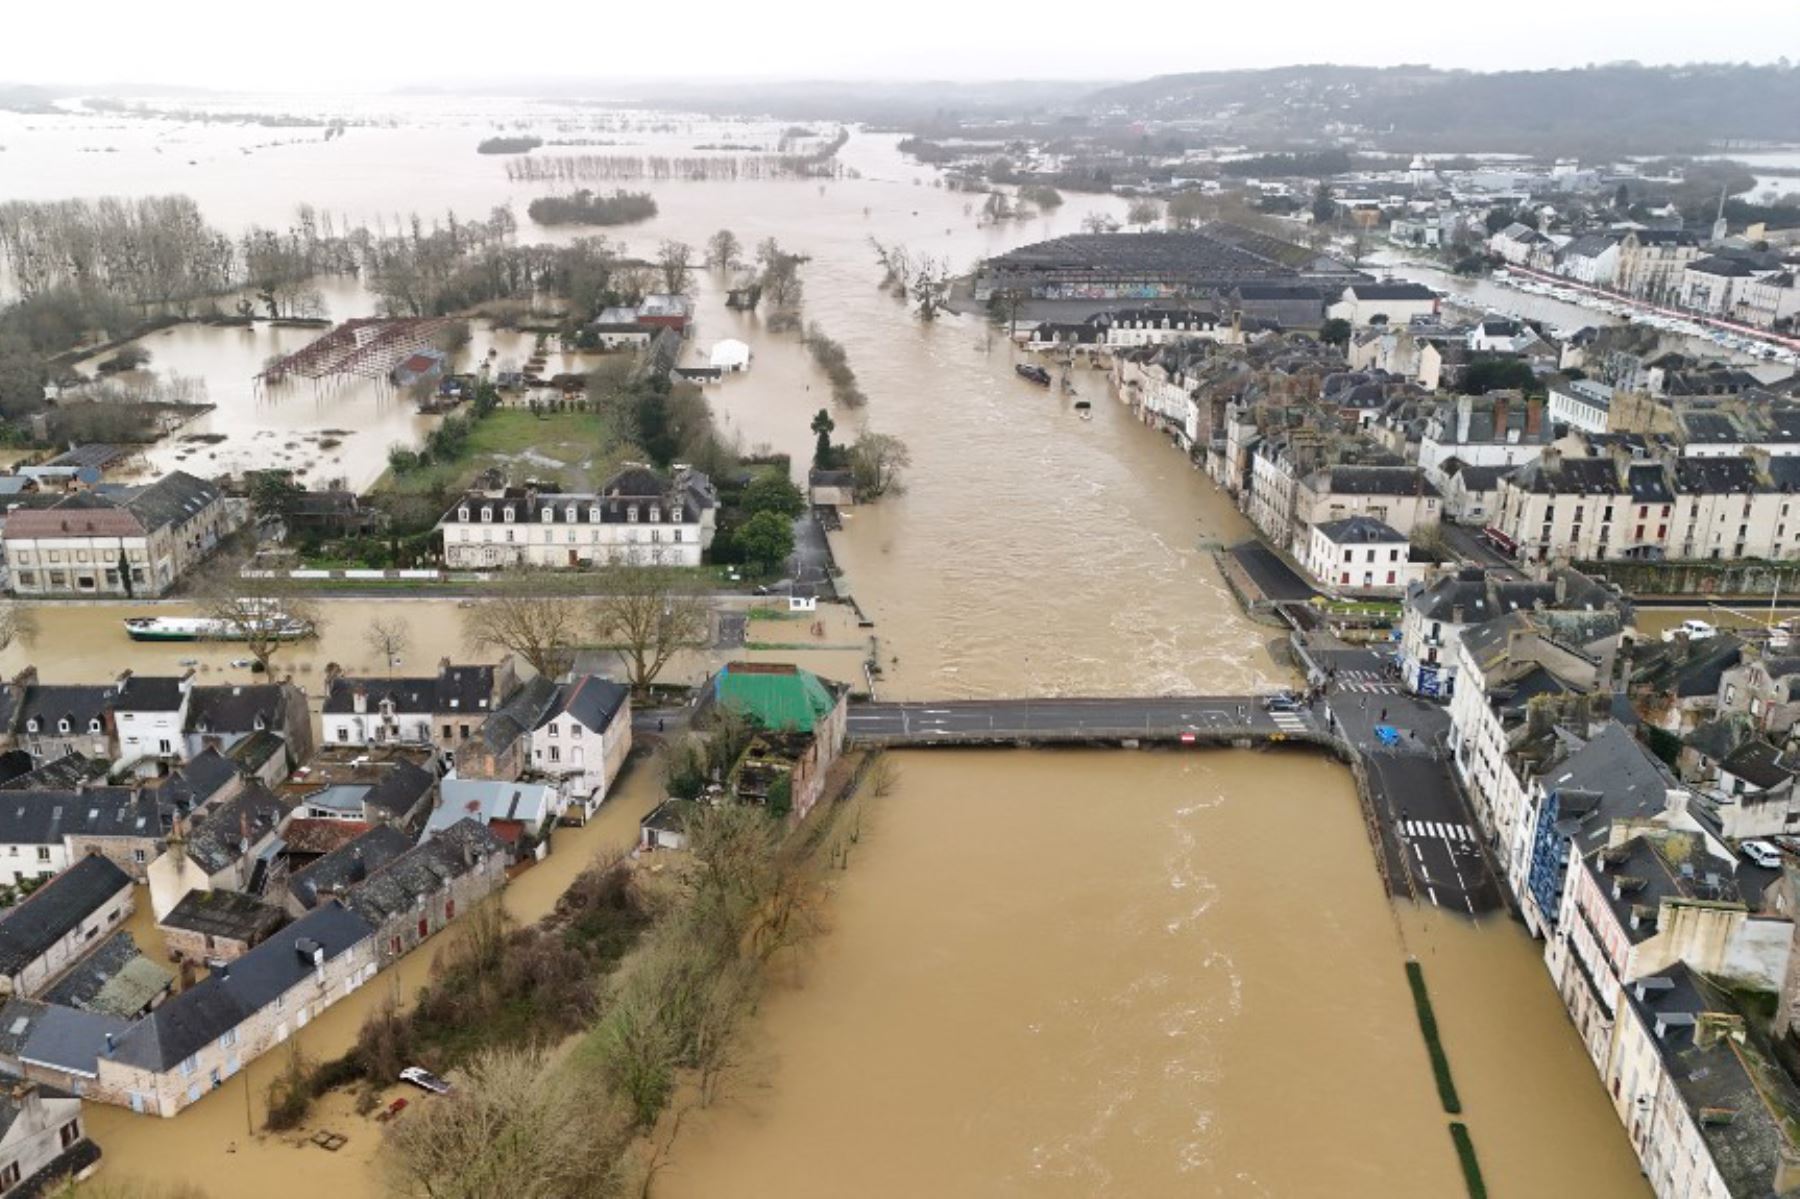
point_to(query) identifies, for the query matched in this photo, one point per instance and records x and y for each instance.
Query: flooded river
(1050, 974)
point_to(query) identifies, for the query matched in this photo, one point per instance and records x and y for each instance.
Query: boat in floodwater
(212, 628)
(1036, 374)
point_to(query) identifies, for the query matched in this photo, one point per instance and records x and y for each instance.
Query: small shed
(730, 356)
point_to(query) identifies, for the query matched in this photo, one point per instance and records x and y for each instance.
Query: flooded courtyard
(1048, 973)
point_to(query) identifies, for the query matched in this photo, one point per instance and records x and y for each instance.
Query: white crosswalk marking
(1436, 830)
(1288, 722)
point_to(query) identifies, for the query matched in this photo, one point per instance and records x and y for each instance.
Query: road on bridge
(1165, 717)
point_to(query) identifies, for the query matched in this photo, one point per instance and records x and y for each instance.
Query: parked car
(1762, 853)
(425, 1080)
(1693, 630)
(1281, 701)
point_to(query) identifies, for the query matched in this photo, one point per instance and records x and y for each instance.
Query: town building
(801, 720)
(231, 846)
(1362, 556)
(1652, 261)
(519, 814)
(1435, 614)
(372, 786)
(1389, 303)
(59, 922)
(43, 1140)
(201, 1038)
(211, 928)
(637, 516)
(1583, 404)
(88, 544)
(582, 739)
(417, 894)
(333, 875)
(442, 711)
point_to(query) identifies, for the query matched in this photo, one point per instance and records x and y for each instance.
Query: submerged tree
(723, 250)
(675, 260)
(520, 619)
(876, 460)
(264, 609)
(647, 612)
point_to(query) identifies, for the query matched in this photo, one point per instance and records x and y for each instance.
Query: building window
(189, 1066)
(556, 753)
(139, 856)
(43, 853)
(508, 514)
(69, 1133)
(228, 1038)
(9, 1176)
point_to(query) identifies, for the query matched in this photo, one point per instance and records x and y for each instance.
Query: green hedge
(1440, 1065)
(1465, 1154)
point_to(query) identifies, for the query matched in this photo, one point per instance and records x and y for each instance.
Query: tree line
(586, 207)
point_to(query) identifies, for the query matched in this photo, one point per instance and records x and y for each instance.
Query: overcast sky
(374, 45)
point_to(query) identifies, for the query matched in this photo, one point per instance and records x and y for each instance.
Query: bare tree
(263, 609)
(520, 619)
(876, 460)
(931, 286)
(646, 614)
(18, 622)
(520, 1127)
(723, 250)
(388, 639)
(675, 260)
(1098, 222)
(1143, 212)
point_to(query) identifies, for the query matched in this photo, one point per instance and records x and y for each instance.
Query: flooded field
(1055, 974)
(1095, 974)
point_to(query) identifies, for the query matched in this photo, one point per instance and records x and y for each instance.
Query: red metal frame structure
(367, 347)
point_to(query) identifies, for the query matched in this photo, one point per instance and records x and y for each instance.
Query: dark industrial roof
(198, 1016)
(56, 909)
(1390, 291)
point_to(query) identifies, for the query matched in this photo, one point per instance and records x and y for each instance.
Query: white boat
(212, 628)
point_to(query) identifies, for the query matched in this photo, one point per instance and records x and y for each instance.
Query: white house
(1711, 285)
(1393, 303)
(1581, 404)
(637, 516)
(1361, 554)
(583, 738)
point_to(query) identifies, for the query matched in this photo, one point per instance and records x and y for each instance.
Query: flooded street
(1056, 974)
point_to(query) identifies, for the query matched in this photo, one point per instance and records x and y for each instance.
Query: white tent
(730, 355)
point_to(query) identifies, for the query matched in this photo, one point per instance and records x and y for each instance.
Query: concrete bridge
(1185, 720)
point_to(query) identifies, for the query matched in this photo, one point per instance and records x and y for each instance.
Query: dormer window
(261, 724)
(655, 513)
(508, 513)
(462, 514)
(631, 514)
(487, 516)
(62, 726)
(548, 514)
(31, 726)
(569, 514)
(94, 725)
(675, 513)
(594, 513)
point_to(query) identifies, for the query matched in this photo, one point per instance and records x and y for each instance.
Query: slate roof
(349, 864)
(592, 700)
(56, 909)
(59, 774)
(407, 695)
(1359, 530)
(1570, 476)
(423, 870)
(201, 778)
(201, 1014)
(522, 712)
(1390, 291)
(1742, 1104)
(309, 835)
(46, 816)
(176, 498)
(401, 786)
(116, 979)
(224, 834)
(70, 1039)
(1652, 879)
(229, 914)
(79, 703)
(1717, 476)
(1729, 268)
(235, 708)
(1648, 484)
(1479, 479)
(17, 1018)
(1378, 480)
(149, 693)
(1760, 764)
(1611, 777)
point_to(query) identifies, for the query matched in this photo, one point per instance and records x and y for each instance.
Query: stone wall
(1730, 577)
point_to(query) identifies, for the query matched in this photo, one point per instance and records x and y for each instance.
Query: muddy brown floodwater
(1092, 973)
(1095, 973)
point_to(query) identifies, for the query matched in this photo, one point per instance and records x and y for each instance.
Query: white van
(1762, 853)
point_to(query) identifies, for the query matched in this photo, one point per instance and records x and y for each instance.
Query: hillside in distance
(1601, 110)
